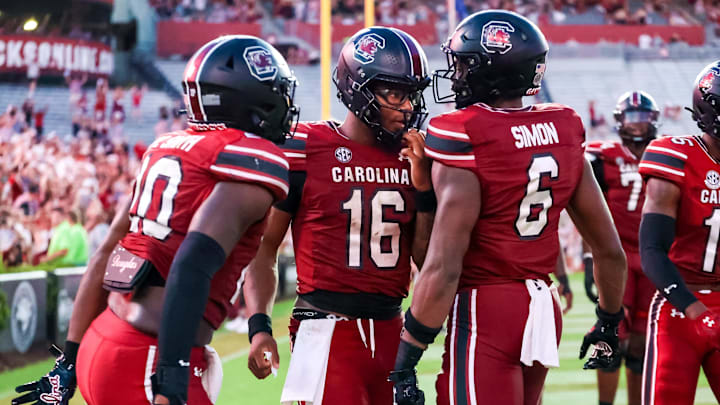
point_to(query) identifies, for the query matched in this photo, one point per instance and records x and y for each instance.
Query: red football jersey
(354, 225)
(529, 162)
(622, 186)
(179, 171)
(685, 161)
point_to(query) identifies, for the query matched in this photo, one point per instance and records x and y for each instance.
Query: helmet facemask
(629, 121)
(369, 108)
(475, 80)
(707, 114)
(461, 67)
(289, 112)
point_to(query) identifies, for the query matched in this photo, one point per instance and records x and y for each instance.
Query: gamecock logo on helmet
(496, 37)
(706, 82)
(367, 46)
(260, 62)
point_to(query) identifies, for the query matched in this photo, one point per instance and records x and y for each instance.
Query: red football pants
(481, 363)
(115, 362)
(674, 354)
(354, 376)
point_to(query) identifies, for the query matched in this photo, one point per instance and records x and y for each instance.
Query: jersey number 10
(166, 168)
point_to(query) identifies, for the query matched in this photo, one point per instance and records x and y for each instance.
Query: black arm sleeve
(657, 233)
(292, 202)
(599, 172)
(186, 293)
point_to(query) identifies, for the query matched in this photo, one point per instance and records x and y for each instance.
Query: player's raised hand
(604, 336)
(259, 363)
(414, 150)
(56, 387)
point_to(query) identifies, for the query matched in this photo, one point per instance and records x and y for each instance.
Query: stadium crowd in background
(46, 183)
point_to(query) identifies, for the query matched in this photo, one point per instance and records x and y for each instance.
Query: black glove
(405, 388)
(172, 383)
(604, 335)
(56, 387)
(589, 279)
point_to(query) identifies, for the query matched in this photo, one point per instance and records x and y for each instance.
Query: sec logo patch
(343, 154)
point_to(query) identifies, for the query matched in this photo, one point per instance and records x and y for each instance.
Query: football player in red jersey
(615, 165)
(502, 174)
(678, 247)
(359, 209)
(194, 222)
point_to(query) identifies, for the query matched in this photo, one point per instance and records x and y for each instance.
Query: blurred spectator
(178, 121)
(40, 121)
(596, 119)
(97, 225)
(68, 245)
(163, 124)
(672, 111)
(27, 110)
(136, 94)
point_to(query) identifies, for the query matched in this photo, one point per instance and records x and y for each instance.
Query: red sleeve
(253, 160)
(448, 143)
(665, 160)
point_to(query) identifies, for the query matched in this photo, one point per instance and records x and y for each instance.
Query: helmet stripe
(635, 99)
(192, 73)
(416, 67)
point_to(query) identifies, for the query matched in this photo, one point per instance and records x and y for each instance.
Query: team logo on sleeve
(496, 37)
(712, 180)
(367, 46)
(260, 62)
(343, 154)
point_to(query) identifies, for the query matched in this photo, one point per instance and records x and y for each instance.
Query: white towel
(213, 375)
(539, 337)
(305, 380)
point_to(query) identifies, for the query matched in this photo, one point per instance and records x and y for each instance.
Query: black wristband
(563, 280)
(421, 333)
(612, 319)
(71, 349)
(425, 201)
(408, 356)
(259, 323)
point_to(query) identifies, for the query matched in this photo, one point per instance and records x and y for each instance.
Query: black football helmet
(492, 54)
(380, 54)
(242, 82)
(636, 107)
(706, 100)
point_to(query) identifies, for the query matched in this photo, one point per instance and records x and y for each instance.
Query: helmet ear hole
(230, 64)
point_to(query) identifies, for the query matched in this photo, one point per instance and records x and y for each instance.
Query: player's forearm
(435, 289)
(260, 286)
(423, 228)
(610, 272)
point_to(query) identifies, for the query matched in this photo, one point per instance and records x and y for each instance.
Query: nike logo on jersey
(184, 363)
(358, 174)
(540, 134)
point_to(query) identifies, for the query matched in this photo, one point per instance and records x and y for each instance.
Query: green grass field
(569, 384)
